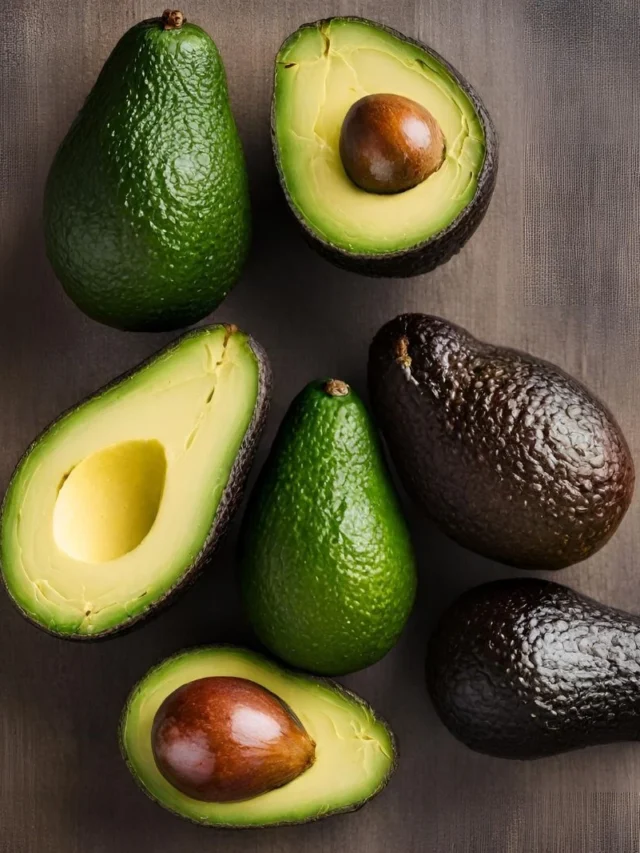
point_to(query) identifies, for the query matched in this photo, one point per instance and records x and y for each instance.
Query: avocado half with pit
(386, 155)
(119, 503)
(354, 749)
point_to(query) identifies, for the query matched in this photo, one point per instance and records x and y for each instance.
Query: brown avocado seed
(389, 143)
(223, 739)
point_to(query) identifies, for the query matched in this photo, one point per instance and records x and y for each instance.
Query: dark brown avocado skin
(426, 256)
(229, 502)
(510, 456)
(526, 668)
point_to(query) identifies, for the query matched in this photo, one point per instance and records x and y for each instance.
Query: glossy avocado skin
(526, 668)
(510, 456)
(146, 212)
(425, 256)
(328, 571)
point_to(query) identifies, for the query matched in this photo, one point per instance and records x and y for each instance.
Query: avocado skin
(441, 247)
(328, 571)
(146, 211)
(526, 668)
(311, 679)
(509, 455)
(229, 502)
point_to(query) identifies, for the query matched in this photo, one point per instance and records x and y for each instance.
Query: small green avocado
(120, 502)
(509, 455)
(328, 571)
(355, 752)
(146, 210)
(525, 668)
(387, 156)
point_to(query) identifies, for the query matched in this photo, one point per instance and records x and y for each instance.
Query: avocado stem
(336, 388)
(172, 19)
(402, 352)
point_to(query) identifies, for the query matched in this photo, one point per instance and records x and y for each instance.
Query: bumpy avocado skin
(426, 256)
(526, 668)
(146, 212)
(227, 507)
(328, 570)
(510, 456)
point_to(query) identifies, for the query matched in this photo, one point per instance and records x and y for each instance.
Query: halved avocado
(320, 72)
(119, 503)
(354, 756)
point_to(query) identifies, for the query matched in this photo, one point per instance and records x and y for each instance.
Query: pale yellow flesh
(319, 75)
(354, 752)
(115, 502)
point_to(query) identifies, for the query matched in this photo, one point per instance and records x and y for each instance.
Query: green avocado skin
(328, 571)
(525, 668)
(146, 212)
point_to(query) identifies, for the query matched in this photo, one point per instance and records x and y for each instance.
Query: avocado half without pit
(225, 737)
(386, 155)
(120, 502)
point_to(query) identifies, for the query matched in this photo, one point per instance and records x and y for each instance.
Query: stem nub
(172, 19)
(402, 352)
(336, 388)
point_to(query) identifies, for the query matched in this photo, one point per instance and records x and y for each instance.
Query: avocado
(321, 72)
(355, 750)
(328, 571)
(509, 455)
(146, 210)
(120, 502)
(526, 668)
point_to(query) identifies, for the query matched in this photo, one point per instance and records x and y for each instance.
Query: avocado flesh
(355, 752)
(321, 70)
(115, 502)
(527, 668)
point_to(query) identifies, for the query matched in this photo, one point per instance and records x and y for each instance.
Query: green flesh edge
(187, 409)
(328, 570)
(355, 752)
(321, 70)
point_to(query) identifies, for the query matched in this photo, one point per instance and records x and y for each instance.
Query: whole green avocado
(525, 668)
(509, 455)
(328, 571)
(146, 213)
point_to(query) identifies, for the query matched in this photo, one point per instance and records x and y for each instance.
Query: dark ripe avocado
(222, 739)
(509, 455)
(146, 211)
(120, 502)
(386, 155)
(525, 668)
(354, 749)
(328, 571)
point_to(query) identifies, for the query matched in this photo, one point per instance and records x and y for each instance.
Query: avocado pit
(223, 739)
(389, 143)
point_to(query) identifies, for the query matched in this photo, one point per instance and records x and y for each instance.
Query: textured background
(552, 270)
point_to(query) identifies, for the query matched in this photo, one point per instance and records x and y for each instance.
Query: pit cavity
(109, 501)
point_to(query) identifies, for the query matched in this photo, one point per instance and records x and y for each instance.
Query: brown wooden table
(553, 269)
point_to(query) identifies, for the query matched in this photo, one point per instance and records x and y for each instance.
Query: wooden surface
(553, 269)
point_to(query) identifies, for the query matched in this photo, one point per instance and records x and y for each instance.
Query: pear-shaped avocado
(508, 454)
(524, 668)
(121, 501)
(146, 212)
(328, 570)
